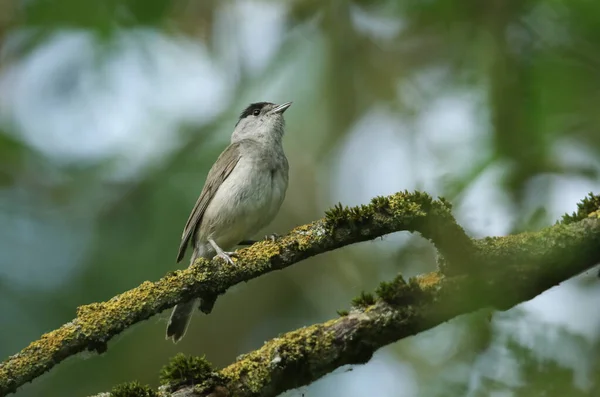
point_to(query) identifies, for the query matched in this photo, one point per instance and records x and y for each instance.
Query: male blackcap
(243, 192)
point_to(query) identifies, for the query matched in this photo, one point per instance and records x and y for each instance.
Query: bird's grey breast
(271, 162)
(250, 197)
(279, 182)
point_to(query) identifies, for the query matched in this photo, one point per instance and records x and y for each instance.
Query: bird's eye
(256, 112)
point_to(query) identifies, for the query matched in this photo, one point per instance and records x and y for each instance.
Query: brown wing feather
(217, 174)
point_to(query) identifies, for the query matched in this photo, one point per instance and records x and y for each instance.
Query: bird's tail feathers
(180, 320)
(182, 313)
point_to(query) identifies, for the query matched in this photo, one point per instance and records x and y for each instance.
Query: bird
(242, 193)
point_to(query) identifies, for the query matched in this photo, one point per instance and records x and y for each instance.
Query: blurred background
(112, 112)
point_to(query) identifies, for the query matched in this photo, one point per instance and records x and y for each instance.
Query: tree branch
(97, 323)
(517, 268)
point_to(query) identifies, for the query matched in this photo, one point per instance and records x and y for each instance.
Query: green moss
(342, 313)
(445, 202)
(345, 216)
(408, 208)
(380, 203)
(361, 213)
(336, 215)
(184, 369)
(132, 389)
(387, 290)
(587, 206)
(410, 205)
(363, 300)
(398, 291)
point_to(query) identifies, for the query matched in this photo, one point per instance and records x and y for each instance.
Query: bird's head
(261, 121)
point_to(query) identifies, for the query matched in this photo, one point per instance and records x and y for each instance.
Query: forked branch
(97, 323)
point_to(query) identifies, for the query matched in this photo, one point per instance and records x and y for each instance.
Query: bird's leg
(222, 254)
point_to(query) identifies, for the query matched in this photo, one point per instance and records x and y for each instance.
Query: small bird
(242, 194)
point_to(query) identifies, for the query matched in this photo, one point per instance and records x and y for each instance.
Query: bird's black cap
(252, 107)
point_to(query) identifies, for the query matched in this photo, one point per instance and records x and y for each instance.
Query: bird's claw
(226, 256)
(272, 237)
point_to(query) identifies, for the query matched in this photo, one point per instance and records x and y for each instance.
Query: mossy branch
(97, 323)
(516, 269)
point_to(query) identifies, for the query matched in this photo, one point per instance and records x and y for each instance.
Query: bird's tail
(180, 319)
(182, 313)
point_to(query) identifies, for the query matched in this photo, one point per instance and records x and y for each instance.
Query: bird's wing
(216, 176)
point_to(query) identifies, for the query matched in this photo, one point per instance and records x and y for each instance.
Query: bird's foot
(226, 256)
(272, 237)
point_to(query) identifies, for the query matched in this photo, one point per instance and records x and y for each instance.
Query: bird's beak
(281, 108)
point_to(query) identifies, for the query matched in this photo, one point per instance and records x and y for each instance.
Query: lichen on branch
(97, 323)
(522, 266)
(515, 269)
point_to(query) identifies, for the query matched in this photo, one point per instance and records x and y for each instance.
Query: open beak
(281, 108)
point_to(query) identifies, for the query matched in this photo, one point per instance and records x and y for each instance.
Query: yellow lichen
(254, 369)
(98, 322)
(261, 251)
(429, 280)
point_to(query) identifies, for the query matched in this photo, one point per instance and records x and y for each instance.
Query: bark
(492, 272)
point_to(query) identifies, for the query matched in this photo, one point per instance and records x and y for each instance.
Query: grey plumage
(242, 194)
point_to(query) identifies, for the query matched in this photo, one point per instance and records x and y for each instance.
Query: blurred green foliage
(529, 68)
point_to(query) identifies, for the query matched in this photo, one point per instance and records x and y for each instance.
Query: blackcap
(242, 194)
